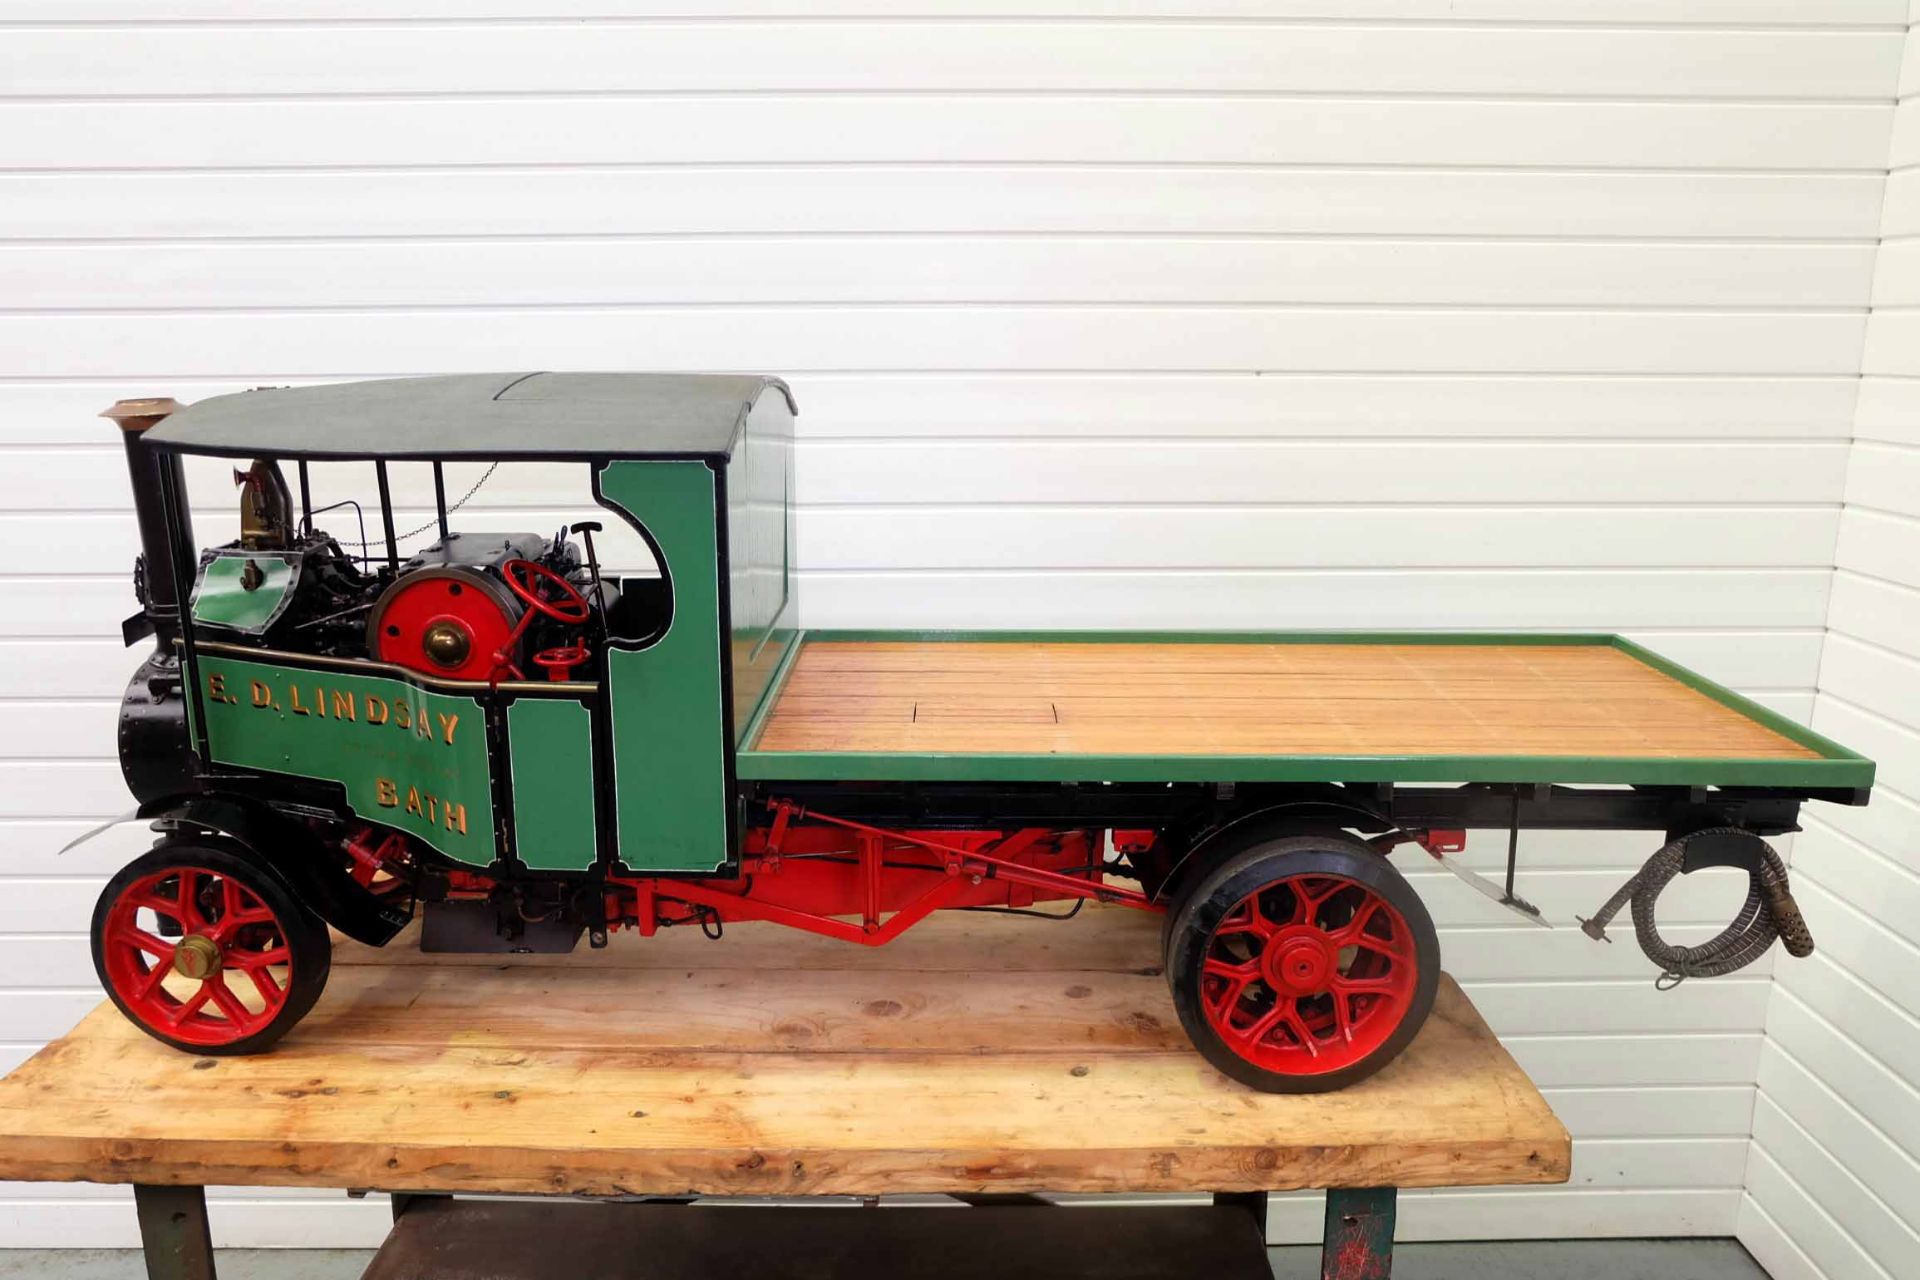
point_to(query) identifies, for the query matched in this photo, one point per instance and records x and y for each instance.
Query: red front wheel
(207, 951)
(1303, 964)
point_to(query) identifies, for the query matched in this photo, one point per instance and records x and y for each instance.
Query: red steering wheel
(527, 576)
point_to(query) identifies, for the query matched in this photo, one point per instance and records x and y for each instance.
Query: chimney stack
(146, 466)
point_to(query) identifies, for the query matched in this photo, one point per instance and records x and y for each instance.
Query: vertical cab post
(145, 467)
(440, 499)
(386, 514)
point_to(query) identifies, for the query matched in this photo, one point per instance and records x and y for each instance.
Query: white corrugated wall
(1231, 313)
(1834, 1177)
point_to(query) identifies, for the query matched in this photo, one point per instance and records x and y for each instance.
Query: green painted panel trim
(409, 758)
(1839, 769)
(219, 599)
(1544, 639)
(670, 718)
(797, 766)
(1761, 714)
(550, 749)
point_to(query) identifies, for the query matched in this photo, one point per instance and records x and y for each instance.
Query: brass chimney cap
(138, 415)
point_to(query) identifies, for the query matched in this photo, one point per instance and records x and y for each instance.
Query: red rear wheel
(1302, 965)
(206, 951)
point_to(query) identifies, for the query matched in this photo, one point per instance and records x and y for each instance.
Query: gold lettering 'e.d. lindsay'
(317, 701)
(421, 804)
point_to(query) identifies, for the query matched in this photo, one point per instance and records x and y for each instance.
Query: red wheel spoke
(168, 907)
(189, 909)
(192, 1004)
(230, 925)
(155, 977)
(1262, 1026)
(268, 986)
(229, 1003)
(1342, 1015)
(158, 947)
(1246, 918)
(1366, 986)
(240, 959)
(1305, 902)
(1231, 997)
(1298, 1026)
(1217, 968)
(1379, 946)
(1258, 919)
(1356, 928)
(238, 908)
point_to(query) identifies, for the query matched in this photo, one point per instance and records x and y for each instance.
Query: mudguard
(288, 848)
(1288, 818)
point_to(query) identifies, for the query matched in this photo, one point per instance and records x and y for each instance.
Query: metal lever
(586, 529)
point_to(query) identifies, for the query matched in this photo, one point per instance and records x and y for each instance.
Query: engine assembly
(472, 606)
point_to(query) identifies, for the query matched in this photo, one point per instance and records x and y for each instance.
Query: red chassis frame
(807, 874)
(805, 869)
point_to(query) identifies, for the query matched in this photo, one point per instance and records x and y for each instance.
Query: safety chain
(434, 523)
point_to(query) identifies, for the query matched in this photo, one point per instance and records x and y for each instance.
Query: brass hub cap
(447, 644)
(197, 957)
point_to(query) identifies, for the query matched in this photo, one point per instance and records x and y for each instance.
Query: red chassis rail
(806, 869)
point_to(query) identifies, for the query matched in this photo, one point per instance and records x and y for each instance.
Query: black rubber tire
(308, 940)
(1209, 897)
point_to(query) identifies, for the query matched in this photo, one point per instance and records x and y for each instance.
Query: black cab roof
(478, 416)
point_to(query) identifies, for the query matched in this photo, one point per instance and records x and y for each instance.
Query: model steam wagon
(508, 735)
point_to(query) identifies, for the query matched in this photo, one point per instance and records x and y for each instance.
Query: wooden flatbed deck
(773, 1063)
(1425, 708)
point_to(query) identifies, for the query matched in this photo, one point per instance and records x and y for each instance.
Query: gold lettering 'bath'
(450, 814)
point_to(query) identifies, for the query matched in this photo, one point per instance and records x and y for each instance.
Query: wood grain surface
(1052, 697)
(979, 1053)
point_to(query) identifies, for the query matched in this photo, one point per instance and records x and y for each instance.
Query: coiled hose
(1768, 913)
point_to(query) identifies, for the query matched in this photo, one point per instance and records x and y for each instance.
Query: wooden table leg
(174, 1232)
(1359, 1235)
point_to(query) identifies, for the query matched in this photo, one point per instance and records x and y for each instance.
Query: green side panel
(550, 742)
(669, 719)
(219, 599)
(409, 759)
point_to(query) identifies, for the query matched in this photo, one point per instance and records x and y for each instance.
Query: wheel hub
(197, 957)
(1298, 962)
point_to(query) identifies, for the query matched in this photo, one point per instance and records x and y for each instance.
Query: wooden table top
(979, 1053)
(907, 697)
